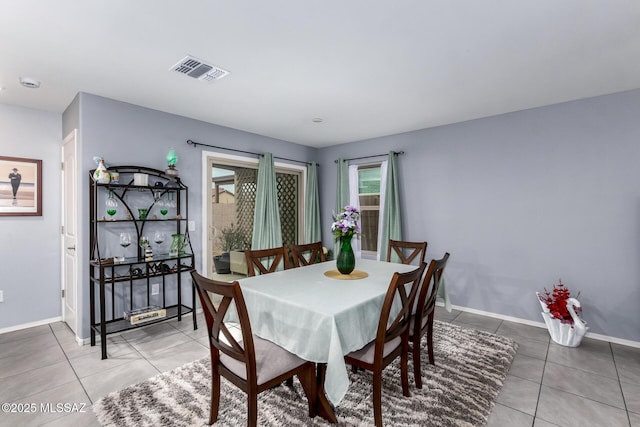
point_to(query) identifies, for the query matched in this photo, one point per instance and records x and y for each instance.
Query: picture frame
(20, 186)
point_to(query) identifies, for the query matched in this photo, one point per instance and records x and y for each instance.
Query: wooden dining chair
(310, 253)
(252, 364)
(392, 337)
(407, 251)
(422, 320)
(267, 260)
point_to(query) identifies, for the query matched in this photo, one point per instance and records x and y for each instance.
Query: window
(231, 193)
(369, 198)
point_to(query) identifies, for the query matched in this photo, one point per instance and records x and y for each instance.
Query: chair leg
(404, 370)
(430, 337)
(252, 409)
(417, 370)
(377, 398)
(215, 397)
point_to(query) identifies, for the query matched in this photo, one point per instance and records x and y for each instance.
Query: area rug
(460, 390)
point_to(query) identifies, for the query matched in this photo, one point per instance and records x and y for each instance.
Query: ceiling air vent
(198, 69)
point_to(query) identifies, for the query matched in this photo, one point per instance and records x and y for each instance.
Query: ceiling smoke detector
(199, 70)
(29, 82)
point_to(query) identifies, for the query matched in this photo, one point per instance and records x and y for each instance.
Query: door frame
(208, 158)
(73, 135)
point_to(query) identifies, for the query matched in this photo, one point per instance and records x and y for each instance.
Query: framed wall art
(20, 186)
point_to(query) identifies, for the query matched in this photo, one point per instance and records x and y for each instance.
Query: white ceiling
(367, 67)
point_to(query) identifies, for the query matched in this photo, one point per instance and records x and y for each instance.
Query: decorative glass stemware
(158, 237)
(144, 241)
(125, 241)
(162, 206)
(112, 205)
(171, 202)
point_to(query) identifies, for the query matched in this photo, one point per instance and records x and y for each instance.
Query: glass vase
(177, 245)
(346, 260)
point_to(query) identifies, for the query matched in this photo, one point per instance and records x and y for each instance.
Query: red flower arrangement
(556, 302)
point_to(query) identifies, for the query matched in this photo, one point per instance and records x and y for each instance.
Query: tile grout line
(544, 368)
(70, 365)
(624, 399)
(585, 397)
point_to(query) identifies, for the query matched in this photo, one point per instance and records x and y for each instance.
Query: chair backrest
(403, 288)
(310, 253)
(426, 300)
(220, 338)
(407, 251)
(261, 258)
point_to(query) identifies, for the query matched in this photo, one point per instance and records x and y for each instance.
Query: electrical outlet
(1, 296)
(155, 288)
(192, 226)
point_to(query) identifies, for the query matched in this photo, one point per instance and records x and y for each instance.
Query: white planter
(567, 334)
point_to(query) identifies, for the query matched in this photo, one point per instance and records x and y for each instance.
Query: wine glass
(158, 237)
(144, 242)
(125, 241)
(162, 206)
(112, 204)
(171, 202)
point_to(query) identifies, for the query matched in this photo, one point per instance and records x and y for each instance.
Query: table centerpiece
(346, 225)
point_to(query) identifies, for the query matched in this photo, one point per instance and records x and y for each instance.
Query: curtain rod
(397, 153)
(189, 141)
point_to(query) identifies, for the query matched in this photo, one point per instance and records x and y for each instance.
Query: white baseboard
(542, 325)
(30, 325)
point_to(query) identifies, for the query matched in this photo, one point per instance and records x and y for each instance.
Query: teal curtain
(342, 190)
(267, 231)
(312, 226)
(342, 194)
(391, 221)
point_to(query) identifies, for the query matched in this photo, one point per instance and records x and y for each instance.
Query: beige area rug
(460, 390)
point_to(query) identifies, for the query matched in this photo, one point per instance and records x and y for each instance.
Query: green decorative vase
(346, 260)
(177, 245)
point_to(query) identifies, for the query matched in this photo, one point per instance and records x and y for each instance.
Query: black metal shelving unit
(116, 279)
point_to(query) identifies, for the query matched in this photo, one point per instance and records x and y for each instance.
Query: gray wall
(30, 245)
(523, 199)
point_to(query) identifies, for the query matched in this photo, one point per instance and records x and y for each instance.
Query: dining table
(321, 315)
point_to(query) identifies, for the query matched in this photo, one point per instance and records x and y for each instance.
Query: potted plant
(561, 314)
(231, 238)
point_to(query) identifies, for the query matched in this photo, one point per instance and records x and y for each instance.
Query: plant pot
(565, 333)
(222, 263)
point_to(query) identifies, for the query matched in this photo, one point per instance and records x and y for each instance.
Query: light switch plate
(192, 226)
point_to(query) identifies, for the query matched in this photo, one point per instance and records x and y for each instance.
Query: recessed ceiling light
(29, 82)
(317, 120)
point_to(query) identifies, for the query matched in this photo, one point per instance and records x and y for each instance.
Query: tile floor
(596, 384)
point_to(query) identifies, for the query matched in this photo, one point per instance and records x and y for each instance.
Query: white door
(69, 228)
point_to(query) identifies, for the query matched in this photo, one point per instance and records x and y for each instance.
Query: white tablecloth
(318, 318)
